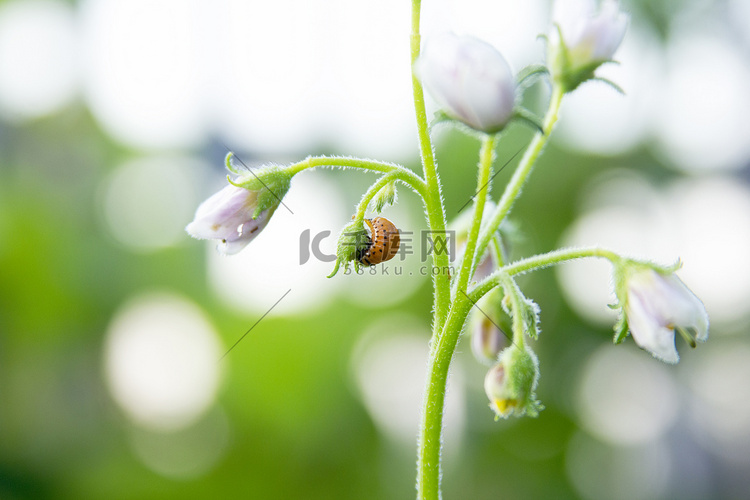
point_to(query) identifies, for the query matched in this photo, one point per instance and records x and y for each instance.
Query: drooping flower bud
(487, 336)
(239, 212)
(487, 339)
(654, 304)
(228, 216)
(583, 39)
(470, 80)
(510, 384)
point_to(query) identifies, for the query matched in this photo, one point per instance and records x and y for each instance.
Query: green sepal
(387, 196)
(529, 75)
(572, 78)
(441, 117)
(564, 73)
(353, 240)
(231, 166)
(609, 82)
(529, 310)
(525, 116)
(621, 328)
(270, 183)
(619, 279)
(519, 392)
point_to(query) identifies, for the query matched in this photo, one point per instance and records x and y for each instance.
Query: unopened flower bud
(653, 306)
(487, 340)
(470, 80)
(230, 216)
(487, 336)
(239, 212)
(583, 39)
(511, 383)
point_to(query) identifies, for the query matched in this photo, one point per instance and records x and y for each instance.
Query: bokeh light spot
(148, 201)
(600, 120)
(389, 365)
(622, 213)
(618, 473)
(702, 120)
(720, 412)
(714, 221)
(38, 65)
(161, 360)
(142, 78)
(703, 222)
(626, 397)
(185, 453)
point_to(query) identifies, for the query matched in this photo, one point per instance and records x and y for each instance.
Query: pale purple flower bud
(470, 80)
(590, 37)
(228, 216)
(657, 305)
(487, 340)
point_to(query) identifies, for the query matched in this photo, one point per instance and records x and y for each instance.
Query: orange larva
(383, 242)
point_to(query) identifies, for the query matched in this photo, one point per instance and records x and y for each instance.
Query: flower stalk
(521, 175)
(476, 89)
(433, 198)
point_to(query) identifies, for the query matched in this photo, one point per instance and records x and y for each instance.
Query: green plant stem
(431, 422)
(399, 172)
(486, 155)
(433, 200)
(497, 252)
(428, 464)
(428, 484)
(539, 262)
(513, 189)
(513, 293)
(372, 192)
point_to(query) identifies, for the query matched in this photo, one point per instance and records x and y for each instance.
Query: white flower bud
(658, 304)
(470, 79)
(228, 216)
(588, 38)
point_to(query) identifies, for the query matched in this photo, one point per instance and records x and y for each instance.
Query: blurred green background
(115, 118)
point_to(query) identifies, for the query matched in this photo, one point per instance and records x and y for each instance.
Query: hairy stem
(539, 262)
(433, 200)
(430, 435)
(399, 172)
(372, 192)
(486, 156)
(513, 189)
(431, 422)
(512, 292)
